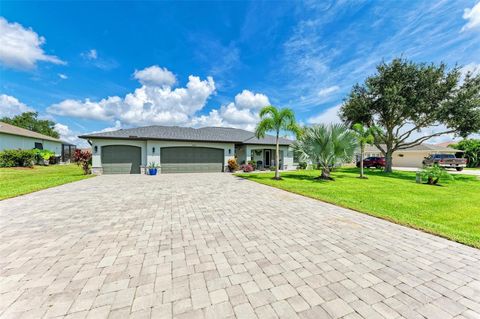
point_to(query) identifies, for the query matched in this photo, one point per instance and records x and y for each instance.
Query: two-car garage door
(191, 160)
(124, 159)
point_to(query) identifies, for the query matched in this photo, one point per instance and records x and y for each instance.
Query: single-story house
(411, 157)
(175, 149)
(14, 138)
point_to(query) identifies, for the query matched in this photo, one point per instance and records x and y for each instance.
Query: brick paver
(217, 246)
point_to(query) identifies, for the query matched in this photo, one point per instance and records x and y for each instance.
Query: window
(38, 146)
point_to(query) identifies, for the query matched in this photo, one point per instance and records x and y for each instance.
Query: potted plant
(152, 169)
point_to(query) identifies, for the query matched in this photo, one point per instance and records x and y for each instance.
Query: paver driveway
(216, 246)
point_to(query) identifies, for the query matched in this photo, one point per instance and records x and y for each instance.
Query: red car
(376, 162)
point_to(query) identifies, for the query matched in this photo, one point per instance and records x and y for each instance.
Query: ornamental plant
(434, 173)
(83, 159)
(247, 168)
(232, 165)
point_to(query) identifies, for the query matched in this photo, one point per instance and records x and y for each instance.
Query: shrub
(253, 164)
(83, 158)
(247, 168)
(17, 158)
(302, 165)
(472, 151)
(43, 156)
(232, 165)
(434, 173)
(272, 168)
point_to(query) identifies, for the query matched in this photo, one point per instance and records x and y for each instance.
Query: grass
(20, 181)
(451, 210)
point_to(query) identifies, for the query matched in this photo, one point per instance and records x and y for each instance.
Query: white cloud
(473, 68)
(155, 76)
(146, 105)
(11, 106)
(21, 48)
(90, 54)
(328, 116)
(250, 100)
(324, 92)
(62, 76)
(472, 15)
(70, 136)
(243, 113)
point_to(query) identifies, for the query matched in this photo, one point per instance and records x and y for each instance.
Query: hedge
(17, 158)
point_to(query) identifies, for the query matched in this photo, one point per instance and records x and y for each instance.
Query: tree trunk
(277, 159)
(388, 160)
(362, 150)
(326, 174)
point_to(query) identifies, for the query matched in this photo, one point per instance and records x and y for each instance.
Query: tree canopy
(30, 121)
(404, 97)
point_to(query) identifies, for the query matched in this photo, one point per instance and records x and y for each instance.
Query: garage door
(191, 160)
(121, 159)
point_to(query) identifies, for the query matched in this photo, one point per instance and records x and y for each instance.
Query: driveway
(216, 246)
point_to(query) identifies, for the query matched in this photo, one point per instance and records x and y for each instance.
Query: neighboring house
(411, 157)
(182, 149)
(13, 138)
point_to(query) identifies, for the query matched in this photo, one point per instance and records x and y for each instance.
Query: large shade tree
(404, 97)
(326, 146)
(276, 120)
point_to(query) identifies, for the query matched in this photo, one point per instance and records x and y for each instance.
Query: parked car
(376, 162)
(445, 161)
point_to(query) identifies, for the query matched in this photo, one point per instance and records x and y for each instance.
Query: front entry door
(268, 158)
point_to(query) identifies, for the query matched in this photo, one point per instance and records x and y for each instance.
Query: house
(13, 138)
(411, 157)
(177, 149)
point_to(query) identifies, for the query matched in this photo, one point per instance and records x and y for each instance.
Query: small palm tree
(274, 119)
(326, 145)
(364, 136)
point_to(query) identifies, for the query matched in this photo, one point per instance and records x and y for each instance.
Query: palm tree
(326, 145)
(364, 136)
(274, 119)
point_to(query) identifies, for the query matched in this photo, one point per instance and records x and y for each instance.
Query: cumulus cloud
(11, 106)
(328, 116)
(21, 47)
(155, 76)
(70, 136)
(472, 15)
(62, 76)
(146, 105)
(243, 113)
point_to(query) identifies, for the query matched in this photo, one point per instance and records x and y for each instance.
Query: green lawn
(20, 181)
(451, 210)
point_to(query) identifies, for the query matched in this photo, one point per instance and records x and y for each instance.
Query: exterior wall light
(229, 151)
(153, 150)
(95, 149)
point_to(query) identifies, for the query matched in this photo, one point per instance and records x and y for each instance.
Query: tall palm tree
(274, 119)
(326, 145)
(364, 136)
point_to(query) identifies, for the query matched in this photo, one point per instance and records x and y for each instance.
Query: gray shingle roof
(15, 130)
(205, 134)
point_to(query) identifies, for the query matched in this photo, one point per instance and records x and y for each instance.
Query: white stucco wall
(287, 154)
(148, 155)
(15, 142)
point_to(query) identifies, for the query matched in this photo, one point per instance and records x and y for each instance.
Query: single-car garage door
(121, 159)
(191, 160)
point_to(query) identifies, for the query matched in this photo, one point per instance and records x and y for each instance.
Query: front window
(38, 146)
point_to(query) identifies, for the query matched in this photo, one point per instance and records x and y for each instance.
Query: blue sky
(93, 66)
